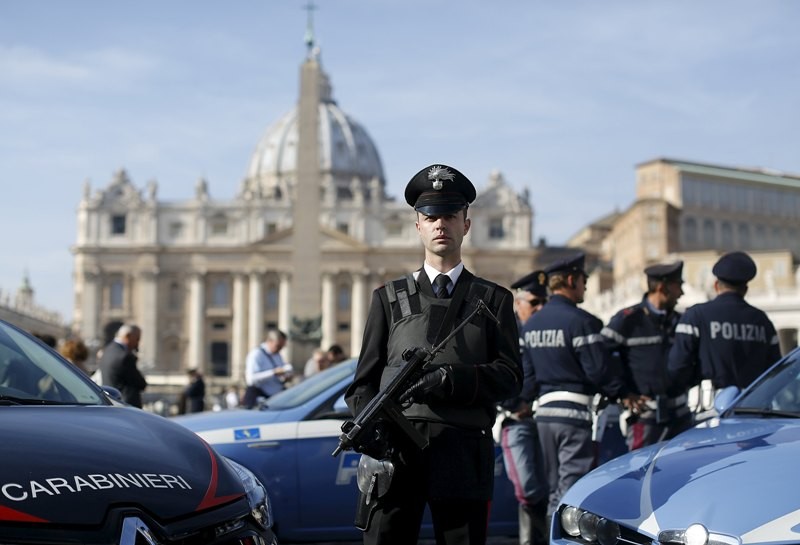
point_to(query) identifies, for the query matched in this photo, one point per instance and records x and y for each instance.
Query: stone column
(285, 310)
(90, 307)
(256, 309)
(148, 351)
(197, 320)
(328, 310)
(239, 345)
(358, 310)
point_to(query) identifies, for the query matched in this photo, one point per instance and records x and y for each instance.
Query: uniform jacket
(725, 340)
(118, 369)
(462, 465)
(563, 347)
(642, 339)
(483, 381)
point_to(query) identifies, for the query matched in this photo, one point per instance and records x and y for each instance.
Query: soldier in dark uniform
(520, 441)
(453, 405)
(564, 347)
(641, 337)
(725, 340)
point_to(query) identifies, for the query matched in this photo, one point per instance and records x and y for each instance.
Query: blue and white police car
(288, 445)
(729, 481)
(81, 467)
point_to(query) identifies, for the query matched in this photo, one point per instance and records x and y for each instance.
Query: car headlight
(257, 496)
(588, 527)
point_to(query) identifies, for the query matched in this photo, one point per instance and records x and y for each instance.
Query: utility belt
(572, 397)
(582, 414)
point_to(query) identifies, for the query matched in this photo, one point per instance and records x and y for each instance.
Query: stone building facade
(302, 244)
(697, 212)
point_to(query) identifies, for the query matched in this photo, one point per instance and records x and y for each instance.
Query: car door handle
(264, 444)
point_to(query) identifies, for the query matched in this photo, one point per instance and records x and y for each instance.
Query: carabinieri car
(288, 445)
(729, 481)
(78, 466)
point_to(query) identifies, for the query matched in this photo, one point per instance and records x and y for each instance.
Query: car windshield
(32, 374)
(312, 386)
(776, 392)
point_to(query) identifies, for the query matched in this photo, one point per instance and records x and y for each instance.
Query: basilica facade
(308, 235)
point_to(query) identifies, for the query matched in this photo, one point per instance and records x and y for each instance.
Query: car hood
(70, 464)
(735, 476)
(208, 420)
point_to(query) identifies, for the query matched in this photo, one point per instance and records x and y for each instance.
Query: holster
(374, 478)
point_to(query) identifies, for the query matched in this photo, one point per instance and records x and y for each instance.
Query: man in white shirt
(265, 371)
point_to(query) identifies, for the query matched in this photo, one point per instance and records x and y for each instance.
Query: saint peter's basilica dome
(347, 155)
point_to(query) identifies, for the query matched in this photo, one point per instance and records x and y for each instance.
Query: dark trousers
(455, 522)
(453, 476)
(568, 455)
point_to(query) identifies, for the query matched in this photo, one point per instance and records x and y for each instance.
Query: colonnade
(247, 311)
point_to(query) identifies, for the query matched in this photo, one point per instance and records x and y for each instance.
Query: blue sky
(563, 97)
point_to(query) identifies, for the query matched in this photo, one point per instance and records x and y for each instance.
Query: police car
(731, 480)
(288, 444)
(81, 467)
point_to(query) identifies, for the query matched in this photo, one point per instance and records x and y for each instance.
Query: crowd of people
(266, 372)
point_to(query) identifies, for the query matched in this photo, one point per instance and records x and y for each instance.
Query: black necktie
(441, 283)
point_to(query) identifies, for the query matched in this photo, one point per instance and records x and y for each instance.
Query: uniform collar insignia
(438, 174)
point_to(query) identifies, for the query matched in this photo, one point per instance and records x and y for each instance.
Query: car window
(32, 373)
(312, 386)
(778, 390)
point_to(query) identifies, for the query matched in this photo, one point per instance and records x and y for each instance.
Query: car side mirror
(725, 398)
(113, 393)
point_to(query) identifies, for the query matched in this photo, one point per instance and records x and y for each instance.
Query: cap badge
(542, 278)
(438, 174)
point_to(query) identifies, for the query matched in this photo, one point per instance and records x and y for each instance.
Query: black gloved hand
(377, 443)
(434, 384)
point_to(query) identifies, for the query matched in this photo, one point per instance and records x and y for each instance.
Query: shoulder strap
(400, 293)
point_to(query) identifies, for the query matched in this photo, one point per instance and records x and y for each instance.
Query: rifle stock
(385, 406)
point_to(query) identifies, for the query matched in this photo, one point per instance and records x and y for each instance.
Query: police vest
(416, 321)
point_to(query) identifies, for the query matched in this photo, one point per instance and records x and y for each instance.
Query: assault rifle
(386, 405)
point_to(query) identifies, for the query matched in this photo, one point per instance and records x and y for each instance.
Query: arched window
(220, 293)
(344, 297)
(272, 297)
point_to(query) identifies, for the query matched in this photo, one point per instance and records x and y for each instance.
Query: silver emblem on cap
(438, 174)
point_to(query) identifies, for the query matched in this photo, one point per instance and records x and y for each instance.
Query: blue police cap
(665, 272)
(536, 283)
(735, 268)
(568, 265)
(439, 189)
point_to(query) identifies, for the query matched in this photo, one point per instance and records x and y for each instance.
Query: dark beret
(439, 189)
(665, 272)
(735, 268)
(536, 283)
(567, 265)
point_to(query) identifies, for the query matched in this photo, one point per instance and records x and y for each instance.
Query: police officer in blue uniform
(725, 340)
(519, 438)
(641, 337)
(564, 347)
(455, 404)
